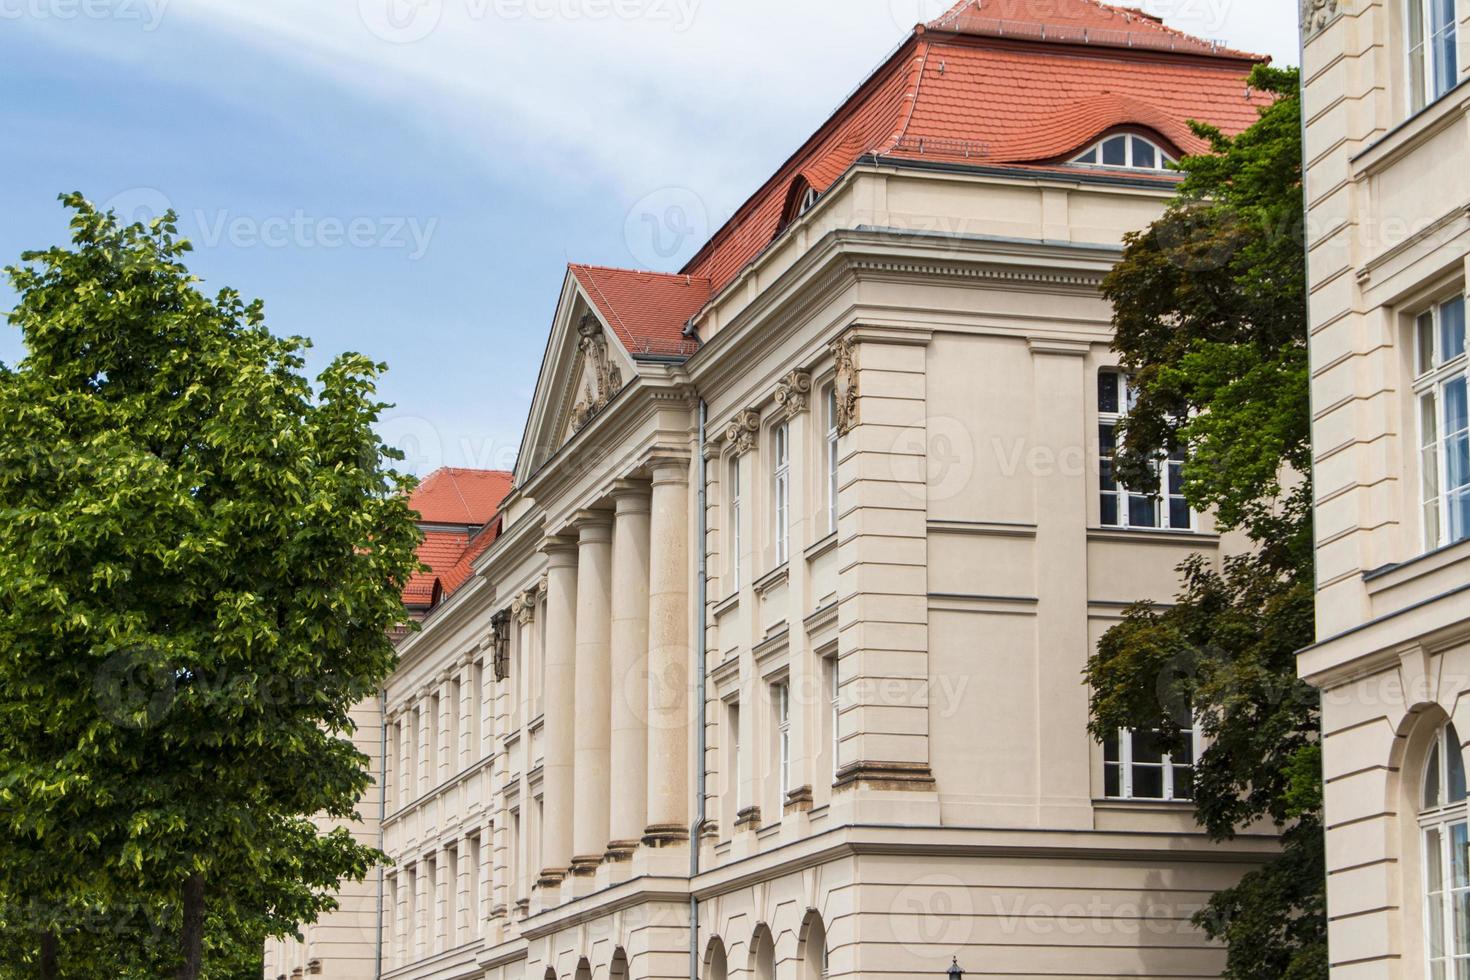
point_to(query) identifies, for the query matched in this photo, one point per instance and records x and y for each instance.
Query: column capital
(666, 469)
(560, 550)
(742, 430)
(593, 525)
(793, 392)
(631, 496)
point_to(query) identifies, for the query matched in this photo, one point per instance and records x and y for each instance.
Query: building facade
(772, 666)
(1388, 236)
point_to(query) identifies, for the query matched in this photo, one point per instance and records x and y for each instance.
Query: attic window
(1126, 152)
(808, 201)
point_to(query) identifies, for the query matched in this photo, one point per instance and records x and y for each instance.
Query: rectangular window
(435, 721)
(1135, 767)
(1447, 900)
(456, 725)
(781, 492)
(1118, 506)
(832, 459)
(513, 857)
(783, 738)
(452, 871)
(734, 785)
(533, 844)
(735, 543)
(473, 899)
(1444, 423)
(477, 708)
(1433, 62)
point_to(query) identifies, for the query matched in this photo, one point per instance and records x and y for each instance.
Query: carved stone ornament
(793, 392)
(524, 607)
(601, 378)
(1316, 14)
(844, 352)
(742, 430)
(500, 644)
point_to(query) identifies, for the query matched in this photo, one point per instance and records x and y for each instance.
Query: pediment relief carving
(1316, 14)
(597, 377)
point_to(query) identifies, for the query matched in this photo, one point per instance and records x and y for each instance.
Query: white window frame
(732, 719)
(832, 443)
(735, 543)
(1437, 371)
(782, 697)
(1162, 157)
(1126, 766)
(1167, 469)
(781, 492)
(834, 694)
(1427, 75)
(808, 201)
(1439, 820)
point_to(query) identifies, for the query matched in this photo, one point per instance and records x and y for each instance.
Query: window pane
(1446, 66)
(1143, 154)
(1459, 515)
(1147, 747)
(1184, 782)
(1424, 334)
(1112, 780)
(1178, 513)
(1416, 53)
(1115, 152)
(1459, 842)
(1109, 515)
(1107, 392)
(1148, 782)
(1461, 904)
(1110, 749)
(1454, 406)
(1452, 329)
(1141, 511)
(1456, 765)
(1431, 779)
(1176, 479)
(1107, 438)
(1089, 157)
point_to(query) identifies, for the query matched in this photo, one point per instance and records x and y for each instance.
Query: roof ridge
(918, 89)
(592, 280)
(639, 272)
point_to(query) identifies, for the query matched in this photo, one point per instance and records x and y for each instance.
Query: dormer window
(1126, 152)
(808, 201)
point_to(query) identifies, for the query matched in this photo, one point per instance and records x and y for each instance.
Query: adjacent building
(770, 664)
(1388, 197)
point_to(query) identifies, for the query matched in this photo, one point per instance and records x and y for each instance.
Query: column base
(748, 819)
(913, 777)
(585, 864)
(551, 877)
(798, 800)
(665, 834)
(619, 850)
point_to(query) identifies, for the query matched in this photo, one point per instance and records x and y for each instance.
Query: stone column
(669, 654)
(592, 703)
(559, 718)
(423, 913)
(628, 755)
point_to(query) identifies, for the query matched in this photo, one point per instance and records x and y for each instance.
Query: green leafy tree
(203, 555)
(1210, 317)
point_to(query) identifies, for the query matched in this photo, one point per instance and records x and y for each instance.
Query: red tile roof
(1007, 83)
(465, 497)
(460, 496)
(647, 310)
(1011, 83)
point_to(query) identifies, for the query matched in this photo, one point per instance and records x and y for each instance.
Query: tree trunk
(48, 956)
(192, 942)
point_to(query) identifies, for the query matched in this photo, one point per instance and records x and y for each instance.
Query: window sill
(1412, 132)
(726, 604)
(1390, 576)
(775, 578)
(1151, 535)
(820, 548)
(1121, 803)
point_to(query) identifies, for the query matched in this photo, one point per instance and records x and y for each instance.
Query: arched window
(1443, 822)
(1126, 151)
(716, 967)
(814, 950)
(763, 954)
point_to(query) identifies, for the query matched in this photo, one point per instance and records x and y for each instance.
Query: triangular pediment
(583, 369)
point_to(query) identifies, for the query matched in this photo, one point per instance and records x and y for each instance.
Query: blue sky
(408, 178)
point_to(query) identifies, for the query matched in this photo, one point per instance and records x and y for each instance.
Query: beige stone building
(769, 665)
(1389, 232)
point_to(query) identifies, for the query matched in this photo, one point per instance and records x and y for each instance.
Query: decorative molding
(523, 607)
(1316, 15)
(584, 865)
(798, 800)
(619, 850)
(665, 834)
(601, 378)
(844, 352)
(793, 393)
(748, 819)
(742, 431)
(910, 776)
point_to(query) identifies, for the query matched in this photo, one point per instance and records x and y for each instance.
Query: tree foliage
(1210, 317)
(203, 552)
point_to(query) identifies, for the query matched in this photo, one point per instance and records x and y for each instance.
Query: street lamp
(955, 971)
